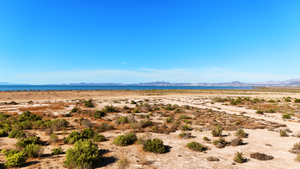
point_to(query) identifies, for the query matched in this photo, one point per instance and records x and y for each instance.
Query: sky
(133, 41)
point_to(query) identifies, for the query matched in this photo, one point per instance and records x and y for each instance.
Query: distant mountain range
(6, 83)
(291, 82)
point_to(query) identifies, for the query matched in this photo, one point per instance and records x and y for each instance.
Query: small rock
(232, 163)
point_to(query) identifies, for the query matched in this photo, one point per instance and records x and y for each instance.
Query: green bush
(88, 133)
(121, 140)
(206, 139)
(73, 137)
(85, 154)
(217, 131)
(99, 114)
(156, 146)
(14, 158)
(270, 111)
(286, 116)
(57, 150)
(131, 137)
(109, 109)
(259, 112)
(75, 109)
(239, 158)
(27, 115)
(16, 134)
(272, 101)
(154, 128)
(288, 99)
(124, 140)
(146, 123)
(26, 124)
(3, 133)
(31, 150)
(186, 128)
(99, 138)
(88, 103)
(297, 101)
(53, 138)
(240, 133)
(195, 146)
(183, 117)
(123, 120)
(170, 119)
(23, 143)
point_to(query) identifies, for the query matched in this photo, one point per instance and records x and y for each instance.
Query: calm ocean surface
(61, 87)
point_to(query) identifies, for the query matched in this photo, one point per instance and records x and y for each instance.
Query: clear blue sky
(129, 41)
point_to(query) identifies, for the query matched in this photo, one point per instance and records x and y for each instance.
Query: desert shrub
(75, 109)
(169, 119)
(154, 128)
(123, 120)
(155, 146)
(195, 146)
(131, 137)
(132, 102)
(53, 138)
(286, 116)
(109, 109)
(87, 123)
(85, 154)
(73, 137)
(270, 111)
(31, 150)
(99, 138)
(217, 131)
(26, 124)
(183, 117)
(16, 134)
(259, 112)
(23, 143)
(99, 114)
(146, 123)
(261, 156)
(186, 128)
(220, 143)
(288, 99)
(297, 101)
(240, 133)
(121, 140)
(297, 158)
(105, 126)
(122, 163)
(211, 158)
(239, 157)
(296, 148)
(206, 139)
(27, 115)
(272, 101)
(236, 141)
(124, 140)
(282, 133)
(57, 150)
(88, 103)
(185, 135)
(3, 133)
(87, 133)
(14, 158)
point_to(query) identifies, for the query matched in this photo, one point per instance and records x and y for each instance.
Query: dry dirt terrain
(269, 121)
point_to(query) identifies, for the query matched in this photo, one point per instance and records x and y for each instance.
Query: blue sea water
(62, 87)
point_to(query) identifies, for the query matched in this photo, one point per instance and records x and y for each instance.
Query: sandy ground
(179, 155)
